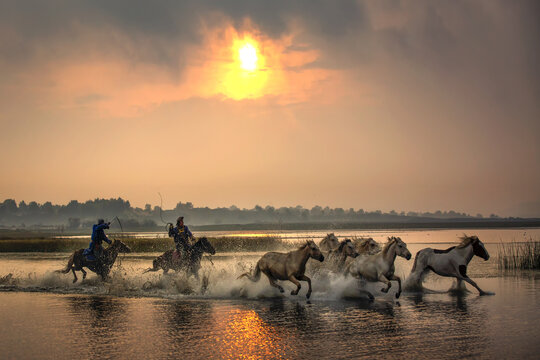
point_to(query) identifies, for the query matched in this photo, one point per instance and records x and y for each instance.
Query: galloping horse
(337, 257)
(329, 242)
(102, 267)
(451, 262)
(380, 267)
(367, 246)
(287, 266)
(167, 262)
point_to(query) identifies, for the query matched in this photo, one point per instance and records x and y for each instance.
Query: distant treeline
(81, 215)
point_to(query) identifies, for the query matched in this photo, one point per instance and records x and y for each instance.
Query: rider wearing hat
(182, 236)
(95, 249)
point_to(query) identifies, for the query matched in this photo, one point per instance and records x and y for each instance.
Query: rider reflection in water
(181, 235)
(95, 249)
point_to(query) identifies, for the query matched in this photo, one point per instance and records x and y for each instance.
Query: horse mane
(342, 244)
(307, 243)
(466, 241)
(391, 241)
(363, 243)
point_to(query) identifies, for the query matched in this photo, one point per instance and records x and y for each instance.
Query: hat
(180, 218)
(101, 221)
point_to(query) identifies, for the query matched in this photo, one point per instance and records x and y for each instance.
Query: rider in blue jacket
(95, 249)
(181, 235)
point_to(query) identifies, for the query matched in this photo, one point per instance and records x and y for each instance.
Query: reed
(519, 255)
(221, 244)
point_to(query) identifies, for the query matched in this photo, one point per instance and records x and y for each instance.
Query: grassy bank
(519, 255)
(221, 244)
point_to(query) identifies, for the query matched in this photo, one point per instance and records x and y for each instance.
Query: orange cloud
(115, 86)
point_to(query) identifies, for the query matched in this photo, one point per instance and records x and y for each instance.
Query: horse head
(329, 242)
(401, 247)
(346, 247)
(314, 251)
(367, 246)
(205, 246)
(120, 246)
(478, 248)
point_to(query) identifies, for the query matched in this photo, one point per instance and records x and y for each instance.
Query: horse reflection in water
(287, 266)
(103, 319)
(167, 261)
(451, 262)
(380, 267)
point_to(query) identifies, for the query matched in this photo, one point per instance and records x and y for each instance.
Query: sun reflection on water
(247, 336)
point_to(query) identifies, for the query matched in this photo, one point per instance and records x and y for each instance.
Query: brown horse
(367, 246)
(287, 266)
(329, 242)
(337, 257)
(102, 267)
(167, 261)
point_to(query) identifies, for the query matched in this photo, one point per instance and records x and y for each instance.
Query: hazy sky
(419, 105)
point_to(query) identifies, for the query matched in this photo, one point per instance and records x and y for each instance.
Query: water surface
(44, 315)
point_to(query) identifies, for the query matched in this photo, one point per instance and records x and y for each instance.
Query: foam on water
(217, 280)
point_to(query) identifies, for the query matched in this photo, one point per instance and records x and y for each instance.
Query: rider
(181, 235)
(95, 249)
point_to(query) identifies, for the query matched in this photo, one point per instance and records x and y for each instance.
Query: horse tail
(68, 266)
(150, 269)
(418, 272)
(415, 261)
(155, 264)
(256, 274)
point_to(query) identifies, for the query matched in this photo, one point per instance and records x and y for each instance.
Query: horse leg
(274, 283)
(308, 280)
(464, 277)
(74, 275)
(383, 279)
(295, 282)
(83, 273)
(396, 278)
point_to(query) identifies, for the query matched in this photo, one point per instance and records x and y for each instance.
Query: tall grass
(221, 244)
(519, 255)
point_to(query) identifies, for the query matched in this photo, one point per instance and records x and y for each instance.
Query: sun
(248, 57)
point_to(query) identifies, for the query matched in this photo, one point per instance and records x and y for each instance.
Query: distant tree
(22, 207)
(9, 206)
(74, 223)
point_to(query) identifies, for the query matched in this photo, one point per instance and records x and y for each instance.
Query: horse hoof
(384, 290)
(293, 292)
(74, 281)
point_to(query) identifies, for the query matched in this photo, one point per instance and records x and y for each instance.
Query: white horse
(337, 257)
(380, 267)
(329, 242)
(451, 262)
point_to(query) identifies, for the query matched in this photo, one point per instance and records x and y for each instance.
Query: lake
(44, 315)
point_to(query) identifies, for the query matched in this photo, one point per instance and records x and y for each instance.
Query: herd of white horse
(365, 259)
